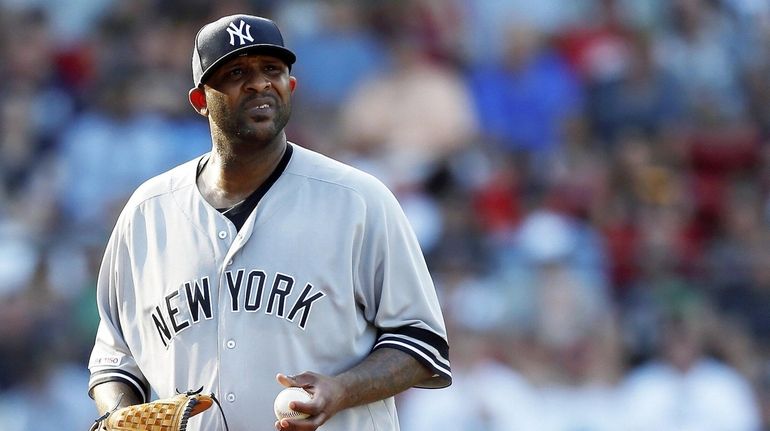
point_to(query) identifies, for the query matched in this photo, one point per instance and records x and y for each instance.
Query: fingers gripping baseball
(326, 395)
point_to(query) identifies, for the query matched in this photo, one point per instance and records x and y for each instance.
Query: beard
(240, 127)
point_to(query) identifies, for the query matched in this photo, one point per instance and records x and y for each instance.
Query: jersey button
(231, 397)
(222, 234)
(229, 262)
(230, 344)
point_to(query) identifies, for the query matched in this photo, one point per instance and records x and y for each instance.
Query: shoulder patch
(109, 360)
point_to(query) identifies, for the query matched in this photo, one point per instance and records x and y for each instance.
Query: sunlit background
(589, 181)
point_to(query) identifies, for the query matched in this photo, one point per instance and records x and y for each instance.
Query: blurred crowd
(589, 180)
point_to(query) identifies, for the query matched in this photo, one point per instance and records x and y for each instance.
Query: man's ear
(292, 83)
(197, 99)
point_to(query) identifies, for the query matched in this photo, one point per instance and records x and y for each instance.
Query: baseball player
(264, 261)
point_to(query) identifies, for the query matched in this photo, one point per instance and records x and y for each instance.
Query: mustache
(259, 99)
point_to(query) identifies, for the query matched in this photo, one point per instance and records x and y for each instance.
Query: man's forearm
(106, 396)
(384, 373)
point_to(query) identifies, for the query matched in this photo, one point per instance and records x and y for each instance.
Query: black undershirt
(238, 213)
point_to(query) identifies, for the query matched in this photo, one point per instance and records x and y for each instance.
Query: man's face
(249, 98)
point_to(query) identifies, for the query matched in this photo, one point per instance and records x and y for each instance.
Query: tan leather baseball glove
(167, 414)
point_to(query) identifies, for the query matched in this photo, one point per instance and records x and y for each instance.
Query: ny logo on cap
(238, 31)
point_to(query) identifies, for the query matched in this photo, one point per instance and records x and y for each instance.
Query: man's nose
(258, 82)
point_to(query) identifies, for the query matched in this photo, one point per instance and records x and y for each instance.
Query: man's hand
(382, 374)
(327, 395)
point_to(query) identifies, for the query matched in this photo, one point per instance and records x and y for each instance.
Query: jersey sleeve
(111, 359)
(398, 293)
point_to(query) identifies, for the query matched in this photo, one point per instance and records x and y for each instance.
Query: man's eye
(236, 72)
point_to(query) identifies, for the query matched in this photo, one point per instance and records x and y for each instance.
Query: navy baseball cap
(219, 41)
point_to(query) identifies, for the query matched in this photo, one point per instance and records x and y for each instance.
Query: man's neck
(229, 175)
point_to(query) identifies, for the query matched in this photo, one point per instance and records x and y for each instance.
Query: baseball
(282, 400)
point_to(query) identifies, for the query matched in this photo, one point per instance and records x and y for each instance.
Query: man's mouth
(259, 103)
(259, 109)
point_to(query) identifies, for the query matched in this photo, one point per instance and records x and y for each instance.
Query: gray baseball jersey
(325, 269)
